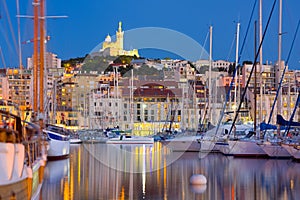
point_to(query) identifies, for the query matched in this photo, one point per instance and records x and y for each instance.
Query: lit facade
(268, 86)
(117, 48)
(20, 87)
(147, 108)
(4, 87)
(51, 61)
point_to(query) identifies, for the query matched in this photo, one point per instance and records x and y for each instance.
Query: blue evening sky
(89, 21)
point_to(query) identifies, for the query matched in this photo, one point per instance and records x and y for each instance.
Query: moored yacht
(183, 143)
(59, 142)
(274, 149)
(245, 148)
(293, 149)
(129, 139)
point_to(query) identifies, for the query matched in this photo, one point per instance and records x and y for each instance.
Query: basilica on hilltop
(117, 48)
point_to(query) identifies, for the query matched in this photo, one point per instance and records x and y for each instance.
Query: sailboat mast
(210, 74)
(237, 74)
(277, 71)
(131, 101)
(42, 56)
(260, 61)
(255, 76)
(35, 55)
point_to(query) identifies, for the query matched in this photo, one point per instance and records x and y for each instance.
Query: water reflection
(85, 176)
(56, 176)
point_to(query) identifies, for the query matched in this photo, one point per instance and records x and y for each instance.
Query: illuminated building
(117, 48)
(4, 88)
(51, 61)
(20, 92)
(289, 92)
(147, 108)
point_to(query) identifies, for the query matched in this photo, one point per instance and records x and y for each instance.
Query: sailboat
(59, 138)
(274, 146)
(219, 138)
(23, 153)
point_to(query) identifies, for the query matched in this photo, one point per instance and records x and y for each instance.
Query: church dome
(108, 38)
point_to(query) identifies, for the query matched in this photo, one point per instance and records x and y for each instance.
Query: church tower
(117, 48)
(120, 37)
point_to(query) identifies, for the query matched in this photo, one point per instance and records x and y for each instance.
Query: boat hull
(58, 149)
(189, 144)
(293, 150)
(130, 140)
(16, 179)
(246, 148)
(275, 150)
(75, 141)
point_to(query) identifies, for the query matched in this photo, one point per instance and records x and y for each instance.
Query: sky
(89, 21)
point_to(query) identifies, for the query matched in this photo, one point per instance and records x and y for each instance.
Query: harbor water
(101, 171)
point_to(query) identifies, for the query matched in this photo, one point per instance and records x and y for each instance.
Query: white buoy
(198, 179)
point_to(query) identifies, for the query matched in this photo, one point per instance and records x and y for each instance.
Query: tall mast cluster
(38, 56)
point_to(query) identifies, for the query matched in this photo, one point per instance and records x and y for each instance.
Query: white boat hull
(293, 150)
(275, 150)
(246, 148)
(58, 149)
(75, 141)
(130, 140)
(17, 178)
(186, 143)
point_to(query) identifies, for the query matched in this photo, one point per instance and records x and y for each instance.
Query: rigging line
(287, 129)
(2, 58)
(236, 67)
(282, 75)
(231, 47)
(297, 102)
(226, 100)
(247, 31)
(10, 26)
(254, 63)
(4, 33)
(204, 44)
(19, 36)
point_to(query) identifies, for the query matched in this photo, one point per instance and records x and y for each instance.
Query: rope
(254, 63)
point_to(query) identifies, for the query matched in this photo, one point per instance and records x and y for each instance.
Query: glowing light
(292, 184)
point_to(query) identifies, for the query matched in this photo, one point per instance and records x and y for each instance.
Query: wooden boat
(22, 158)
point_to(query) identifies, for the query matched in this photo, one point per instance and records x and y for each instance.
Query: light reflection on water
(99, 171)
